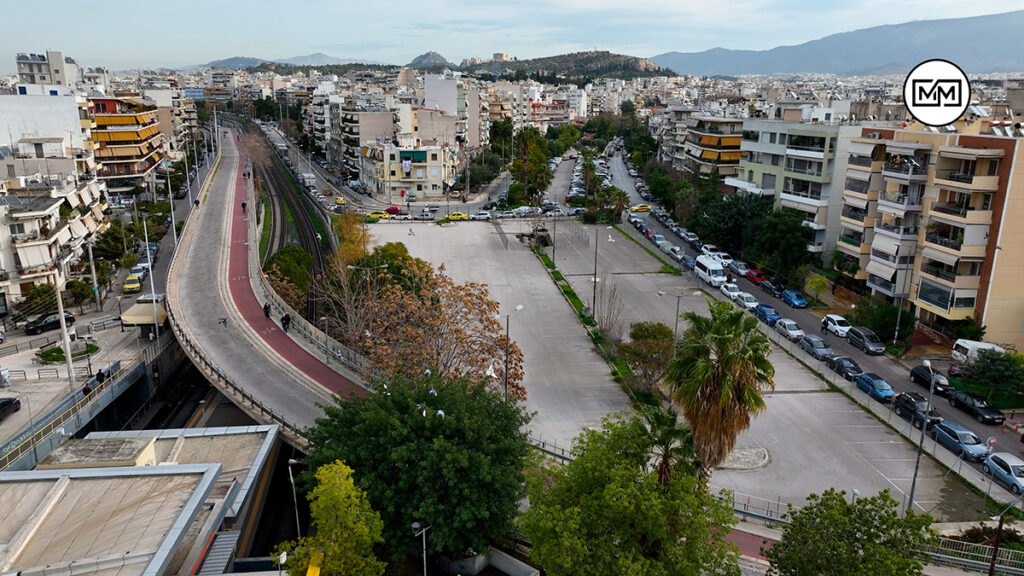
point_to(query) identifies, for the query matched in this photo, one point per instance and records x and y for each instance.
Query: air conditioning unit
(874, 135)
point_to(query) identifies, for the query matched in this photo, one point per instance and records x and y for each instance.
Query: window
(771, 137)
(10, 171)
(17, 228)
(419, 187)
(22, 91)
(433, 156)
(392, 172)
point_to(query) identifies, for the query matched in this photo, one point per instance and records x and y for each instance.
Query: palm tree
(618, 199)
(671, 442)
(718, 376)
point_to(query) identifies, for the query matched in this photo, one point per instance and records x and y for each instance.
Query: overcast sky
(123, 34)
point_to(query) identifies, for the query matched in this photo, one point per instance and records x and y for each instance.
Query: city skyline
(195, 33)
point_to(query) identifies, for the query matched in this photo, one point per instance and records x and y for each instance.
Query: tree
(671, 443)
(880, 317)
(605, 513)
(832, 535)
(444, 452)
(347, 528)
(816, 285)
(530, 166)
(718, 375)
(80, 291)
(501, 137)
(615, 201)
(733, 221)
(781, 242)
(968, 329)
(998, 375)
(294, 264)
(628, 108)
(37, 299)
(648, 351)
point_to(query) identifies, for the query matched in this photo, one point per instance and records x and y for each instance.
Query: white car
(722, 257)
(485, 216)
(746, 301)
(836, 324)
(667, 248)
(731, 291)
(789, 329)
(708, 249)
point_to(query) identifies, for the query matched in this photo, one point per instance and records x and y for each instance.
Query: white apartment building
(392, 172)
(50, 68)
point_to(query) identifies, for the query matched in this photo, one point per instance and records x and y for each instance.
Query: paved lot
(568, 385)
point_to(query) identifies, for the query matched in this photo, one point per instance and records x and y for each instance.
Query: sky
(128, 34)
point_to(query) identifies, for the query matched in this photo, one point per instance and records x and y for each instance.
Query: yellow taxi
(379, 215)
(457, 216)
(340, 200)
(132, 285)
(641, 208)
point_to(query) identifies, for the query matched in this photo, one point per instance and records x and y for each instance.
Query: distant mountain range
(431, 60)
(980, 44)
(317, 59)
(566, 67)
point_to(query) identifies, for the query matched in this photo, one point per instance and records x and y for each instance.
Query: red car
(392, 209)
(756, 276)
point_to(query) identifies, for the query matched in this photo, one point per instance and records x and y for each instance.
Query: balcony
(960, 213)
(811, 152)
(863, 161)
(749, 187)
(881, 284)
(903, 262)
(905, 172)
(967, 181)
(951, 243)
(961, 281)
(850, 241)
(950, 303)
(816, 247)
(812, 223)
(896, 231)
(900, 201)
(853, 214)
(805, 197)
(856, 186)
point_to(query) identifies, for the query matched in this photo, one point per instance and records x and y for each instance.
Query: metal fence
(974, 557)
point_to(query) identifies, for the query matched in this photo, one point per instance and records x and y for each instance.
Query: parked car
(815, 346)
(959, 440)
(1006, 468)
(138, 270)
(925, 377)
(915, 407)
(46, 322)
(746, 301)
(668, 248)
(658, 239)
(767, 314)
(506, 214)
(957, 370)
(132, 285)
(640, 208)
(688, 262)
(730, 291)
(739, 268)
(976, 406)
(789, 328)
(454, 216)
(708, 249)
(844, 366)
(836, 324)
(379, 214)
(756, 276)
(875, 386)
(866, 340)
(425, 215)
(771, 288)
(794, 299)
(483, 216)
(489, 205)
(577, 211)
(9, 406)
(723, 258)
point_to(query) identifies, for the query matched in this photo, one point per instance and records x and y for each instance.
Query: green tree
(347, 528)
(628, 108)
(733, 222)
(998, 375)
(968, 329)
(37, 299)
(447, 453)
(530, 166)
(501, 137)
(671, 443)
(880, 317)
(718, 375)
(80, 291)
(647, 352)
(834, 536)
(616, 201)
(816, 285)
(606, 514)
(294, 264)
(781, 242)
(112, 243)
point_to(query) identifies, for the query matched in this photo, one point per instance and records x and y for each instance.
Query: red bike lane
(251, 308)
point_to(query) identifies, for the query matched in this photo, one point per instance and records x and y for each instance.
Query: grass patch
(577, 304)
(557, 276)
(265, 235)
(56, 354)
(544, 258)
(666, 268)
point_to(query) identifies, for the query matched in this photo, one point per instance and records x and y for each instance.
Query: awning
(905, 148)
(97, 212)
(856, 202)
(939, 256)
(862, 148)
(858, 175)
(90, 224)
(78, 228)
(881, 270)
(73, 199)
(885, 244)
(142, 315)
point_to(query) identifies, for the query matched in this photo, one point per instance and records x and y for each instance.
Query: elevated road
(215, 307)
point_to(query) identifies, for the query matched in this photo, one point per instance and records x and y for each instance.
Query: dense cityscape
(583, 314)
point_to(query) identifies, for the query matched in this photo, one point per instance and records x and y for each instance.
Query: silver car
(739, 268)
(790, 329)
(815, 346)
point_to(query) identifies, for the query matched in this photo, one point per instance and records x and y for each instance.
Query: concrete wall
(42, 116)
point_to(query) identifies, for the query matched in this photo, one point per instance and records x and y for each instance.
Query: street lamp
(924, 425)
(295, 498)
(327, 346)
(417, 532)
(507, 316)
(999, 534)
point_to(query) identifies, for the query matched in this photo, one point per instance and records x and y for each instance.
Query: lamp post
(507, 341)
(170, 200)
(295, 498)
(924, 425)
(327, 347)
(418, 532)
(95, 283)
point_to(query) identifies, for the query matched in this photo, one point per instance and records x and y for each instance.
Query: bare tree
(609, 310)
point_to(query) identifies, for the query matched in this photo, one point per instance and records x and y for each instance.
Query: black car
(47, 322)
(976, 406)
(922, 375)
(490, 205)
(772, 288)
(915, 407)
(958, 371)
(844, 366)
(9, 406)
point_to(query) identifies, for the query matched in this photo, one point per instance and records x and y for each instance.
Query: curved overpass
(215, 300)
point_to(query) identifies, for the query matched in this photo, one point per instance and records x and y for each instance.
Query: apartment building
(544, 115)
(358, 126)
(710, 144)
(129, 141)
(176, 116)
(796, 163)
(928, 222)
(392, 172)
(50, 68)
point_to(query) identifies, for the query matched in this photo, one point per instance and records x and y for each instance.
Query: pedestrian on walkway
(824, 325)
(286, 322)
(243, 207)
(266, 310)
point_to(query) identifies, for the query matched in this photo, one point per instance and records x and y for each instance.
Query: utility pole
(95, 282)
(593, 296)
(64, 334)
(152, 278)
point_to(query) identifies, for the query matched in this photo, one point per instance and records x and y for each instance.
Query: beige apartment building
(710, 144)
(929, 222)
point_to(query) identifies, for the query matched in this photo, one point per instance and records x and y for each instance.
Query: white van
(966, 351)
(710, 270)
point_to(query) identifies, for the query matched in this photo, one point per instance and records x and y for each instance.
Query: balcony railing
(852, 214)
(850, 240)
(901, 230)
(943, 241)
(956, 176)
(901, 261)
(860, 161)
(803, 194)
(938, 272)
(905, 169)
(955, 210)
(811, 148)
(902, 199)
(808, 171)
(857, 186)
(881, 283)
